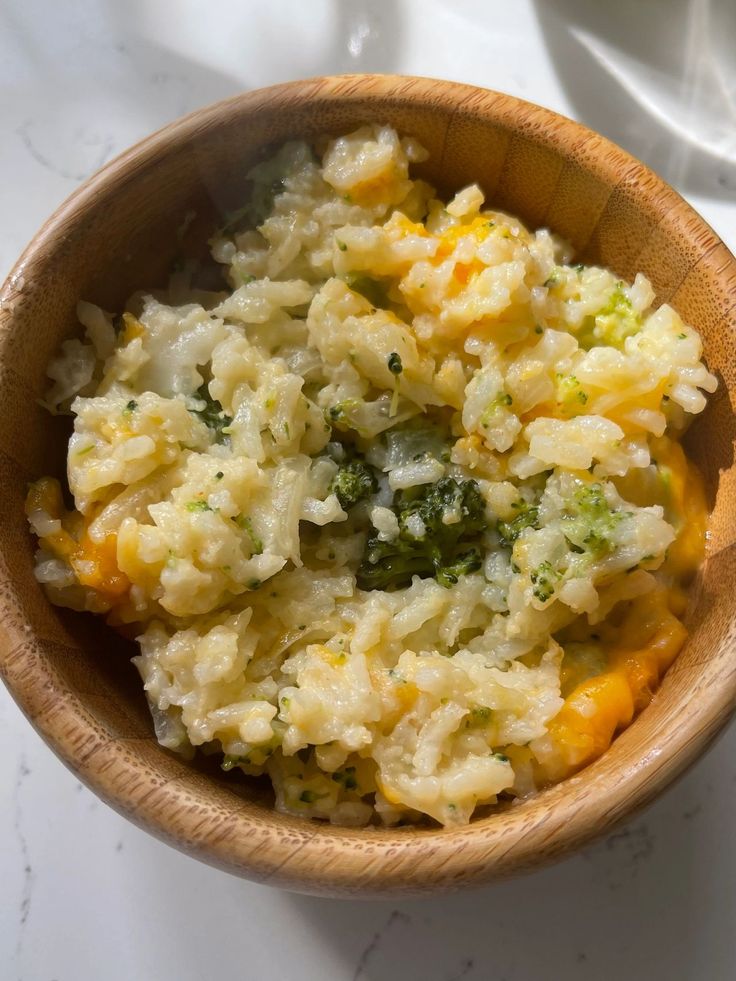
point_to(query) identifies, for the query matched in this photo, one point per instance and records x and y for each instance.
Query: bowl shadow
(588, 911)
(638, 38)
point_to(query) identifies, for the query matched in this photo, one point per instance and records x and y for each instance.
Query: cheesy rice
(400, 519)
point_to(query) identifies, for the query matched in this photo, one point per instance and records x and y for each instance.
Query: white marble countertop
(88, 897)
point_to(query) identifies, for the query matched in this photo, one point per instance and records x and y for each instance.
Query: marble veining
(101, 146)
(26, 895)
(396, 917)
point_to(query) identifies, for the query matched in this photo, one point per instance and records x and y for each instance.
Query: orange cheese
(641, 646)
(94, 563)
(132, 328)
(45, 495)
(647, 640)
(650, 638)
(651, 401)
(688, 508)
(479, 228)
(587, 722)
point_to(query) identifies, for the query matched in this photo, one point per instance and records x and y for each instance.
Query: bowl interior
(157, 204)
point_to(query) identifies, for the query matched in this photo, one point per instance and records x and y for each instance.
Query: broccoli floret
(612, 324)
(544, 579)
(571, 397)
(589, 525)
(445, 505)
(527, 517)
(469, 561)
(200, 505)
(212, 415)
(591, 522)
(244, 522)
(346, 777)
(373, 290)
(353, 482)
(342, 415)
(478, 717)
(489, 417)
(438, 525)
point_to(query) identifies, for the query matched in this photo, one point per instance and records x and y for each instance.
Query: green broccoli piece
(346, 777)
(197, 506)
(212, 415)
(373, 290)
(353, 482)
(311, 796)
(544, 579)
(590, 521)
(491, 411)
(612, 324)
(570, 395)
(342, 415)
(478, 716)
(527, 517)
(244, 522)
(463, 564)
(438, 527)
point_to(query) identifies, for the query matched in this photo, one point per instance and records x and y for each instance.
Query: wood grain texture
(71, 675)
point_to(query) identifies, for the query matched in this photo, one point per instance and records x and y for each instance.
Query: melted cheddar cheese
(94, 563)
(634, 648)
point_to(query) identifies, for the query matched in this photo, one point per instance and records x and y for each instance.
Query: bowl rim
(311, 856)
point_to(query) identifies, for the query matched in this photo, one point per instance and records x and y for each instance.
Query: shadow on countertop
(634, 905)
(144, 80)
(646, 74)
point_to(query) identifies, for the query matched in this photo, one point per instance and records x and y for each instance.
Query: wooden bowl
(122, 230)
